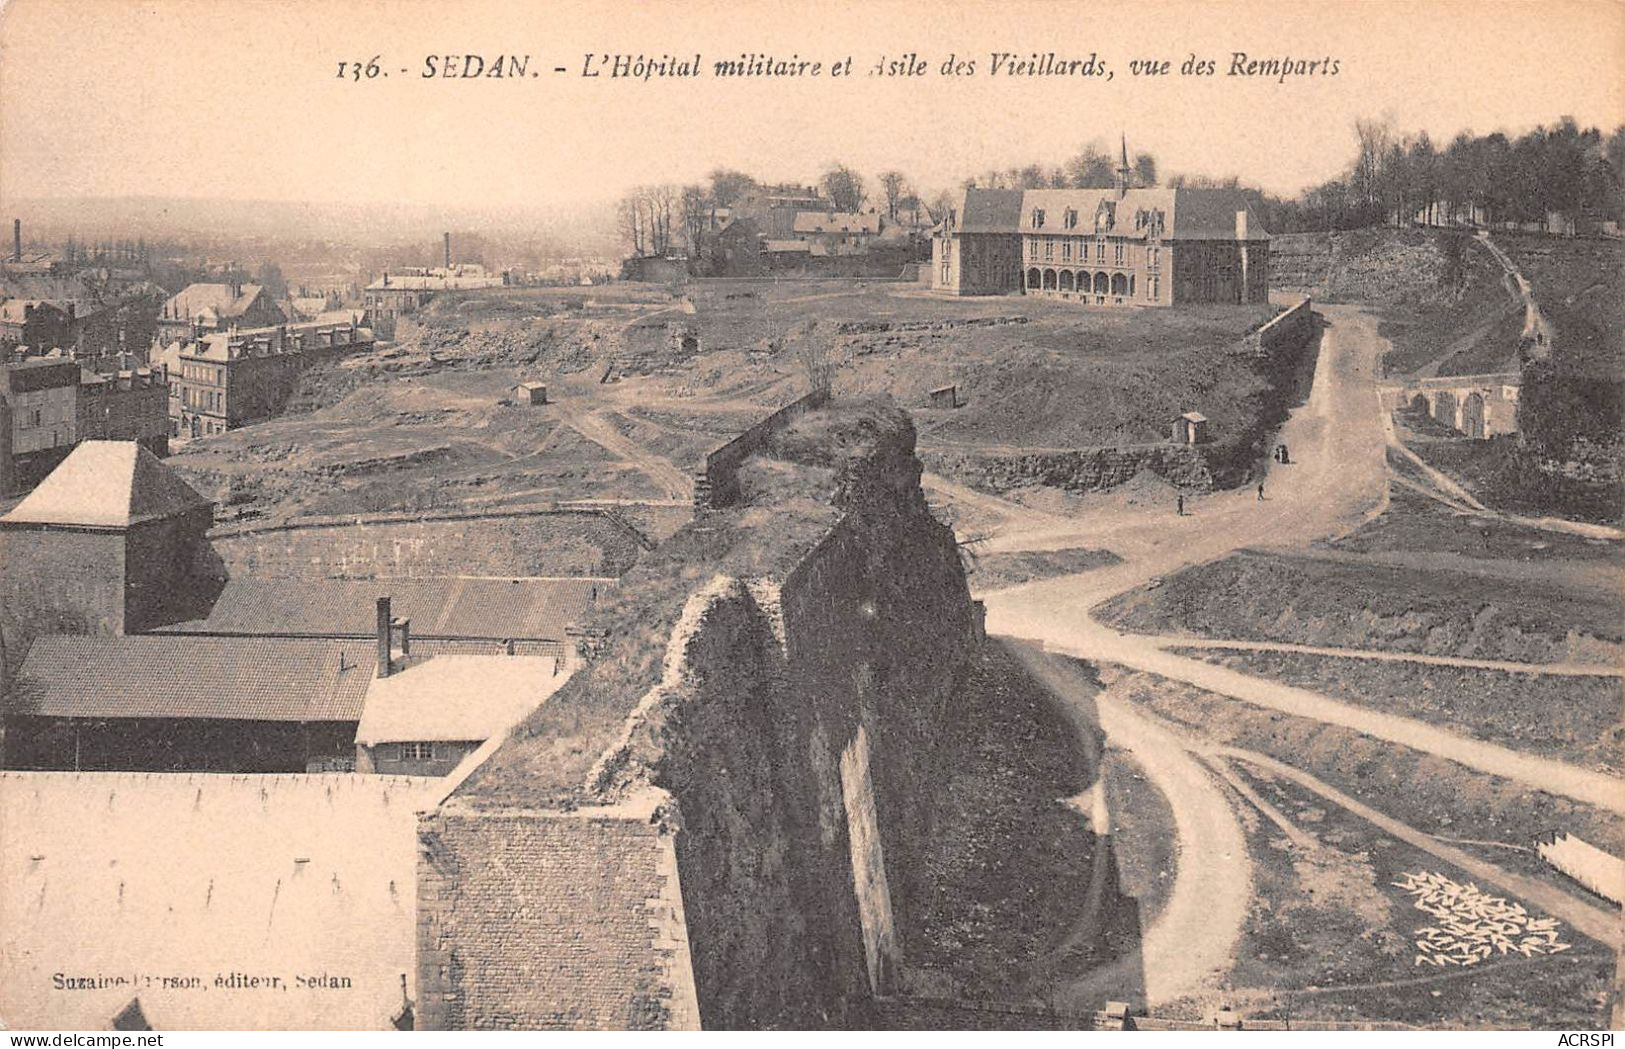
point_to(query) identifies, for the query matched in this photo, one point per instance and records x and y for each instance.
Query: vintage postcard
(877, 516)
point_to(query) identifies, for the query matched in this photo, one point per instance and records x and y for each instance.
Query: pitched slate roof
(212, 301)
(988, 211)
(107, 484)
(235, 678)
(1187, 214)
(498, 609)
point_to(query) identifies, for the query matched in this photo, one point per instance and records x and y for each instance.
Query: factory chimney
(16, 240)
(448, 251)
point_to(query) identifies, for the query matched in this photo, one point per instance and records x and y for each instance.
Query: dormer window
(1038, 218)
(1070, 219)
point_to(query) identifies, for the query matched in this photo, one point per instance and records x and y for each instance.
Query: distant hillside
(573, 228)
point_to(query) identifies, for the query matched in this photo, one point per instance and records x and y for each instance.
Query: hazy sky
(239, 98)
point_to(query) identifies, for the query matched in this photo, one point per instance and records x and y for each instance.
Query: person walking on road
(1260, 491)
(1181, 504)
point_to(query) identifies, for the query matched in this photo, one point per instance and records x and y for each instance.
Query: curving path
(1190, 941)
(1339, 480)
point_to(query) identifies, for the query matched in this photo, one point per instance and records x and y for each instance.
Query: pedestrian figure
(1485, 533)
(1182, 504)
(1286, 456)
(1261, 491)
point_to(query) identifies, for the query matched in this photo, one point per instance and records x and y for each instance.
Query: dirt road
(1339, 479)
(1188, 944)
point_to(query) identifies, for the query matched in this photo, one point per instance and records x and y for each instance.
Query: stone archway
(1049, 280)
(1445, 408)
(1067, 280)
(1119, 284)
(1034, 279)
(1419, 405)
(1472, 416)
(1103, 284)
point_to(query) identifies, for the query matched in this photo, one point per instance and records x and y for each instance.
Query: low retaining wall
(1286, 328)
(1224, 463)
(1074, 469)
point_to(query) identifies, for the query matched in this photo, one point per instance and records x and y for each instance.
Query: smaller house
(1191, 428)
(943, 397)
(530, 392)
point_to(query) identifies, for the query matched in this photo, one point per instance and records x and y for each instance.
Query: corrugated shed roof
(235, 678)
(107, 484)
(499, 609)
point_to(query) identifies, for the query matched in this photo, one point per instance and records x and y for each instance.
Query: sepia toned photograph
(958, 516)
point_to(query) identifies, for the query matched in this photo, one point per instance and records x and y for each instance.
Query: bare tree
(895, 187)
(816, 356)
(629, 220)
(844, 188)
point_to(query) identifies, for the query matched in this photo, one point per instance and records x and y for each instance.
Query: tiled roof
(107, 484)
(837, 222)
(499, 609)
(235, 678)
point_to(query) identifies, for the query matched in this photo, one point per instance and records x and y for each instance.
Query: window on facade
(1152, 256)
(1049, 247)
(1038, 218)
(1100, 251)
(1032, 247)
(1117, 253)
(1151, 286)
(1066, 250)
(416, 752)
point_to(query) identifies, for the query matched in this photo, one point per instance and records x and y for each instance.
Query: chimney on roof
(384, 621)
(447, 236)
(16, 240)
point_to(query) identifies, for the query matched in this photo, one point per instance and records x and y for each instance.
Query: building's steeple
(1124, 172)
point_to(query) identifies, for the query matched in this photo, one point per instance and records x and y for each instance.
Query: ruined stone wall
(717, 483)
(793, 739)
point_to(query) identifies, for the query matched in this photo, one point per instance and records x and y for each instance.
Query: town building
(402, 292)
(130, 405)
(54, 403)
(431, 711)
(42, 394)
(112, 542)
(210, 307)
(976, 251)
(158, 703)
(38, 324)
(1105, 247)
(836, 232)
(232, 378)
